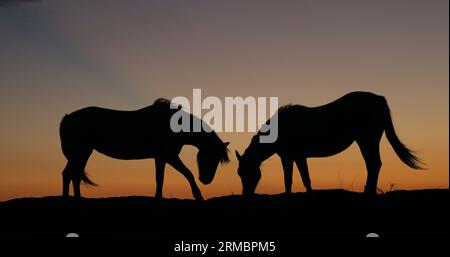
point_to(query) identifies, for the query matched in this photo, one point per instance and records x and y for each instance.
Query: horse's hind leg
(159, 167)
(67, 177)
(302, 166)
(74, 171)
(70, 174)
(79, 166)
(371, 154)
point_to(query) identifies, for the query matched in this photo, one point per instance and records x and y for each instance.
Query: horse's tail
(406, 155)
(86, 180)
(67, 141)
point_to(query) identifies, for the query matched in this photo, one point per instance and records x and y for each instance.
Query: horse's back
(352, 101)
(328, 129)
(96, 118)
(351, 109)
(348, 107)
(91, 117)
(119, 134)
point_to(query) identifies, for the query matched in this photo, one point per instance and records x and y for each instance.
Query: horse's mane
(289, 107)
(163, 103)
(160, 101)
(224, 156)
(281, 110)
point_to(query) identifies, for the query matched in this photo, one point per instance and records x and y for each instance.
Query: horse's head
(209, 159)
(249, 172)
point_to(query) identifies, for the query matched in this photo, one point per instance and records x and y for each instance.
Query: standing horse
(140, 134)
(325, 131)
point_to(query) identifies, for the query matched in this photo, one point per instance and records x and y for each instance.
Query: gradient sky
(59, 56)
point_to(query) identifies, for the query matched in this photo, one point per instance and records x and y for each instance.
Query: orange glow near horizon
(122, 178)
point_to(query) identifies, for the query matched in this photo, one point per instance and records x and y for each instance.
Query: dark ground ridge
(321, 213)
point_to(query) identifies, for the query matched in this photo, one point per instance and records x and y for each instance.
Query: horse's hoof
(370, 192)
(199, 198)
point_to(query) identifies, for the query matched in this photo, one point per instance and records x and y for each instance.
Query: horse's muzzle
(205, 181)
(248, 192)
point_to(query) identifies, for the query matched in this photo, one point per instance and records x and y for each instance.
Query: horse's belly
(126, 155)
(126, 151)
(326, 151)
(321, 146)
(328, 147)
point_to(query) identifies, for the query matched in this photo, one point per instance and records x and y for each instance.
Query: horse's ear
(226, 144)
(238, 156)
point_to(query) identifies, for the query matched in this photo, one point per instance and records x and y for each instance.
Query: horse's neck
(260, 151)
(199, 139)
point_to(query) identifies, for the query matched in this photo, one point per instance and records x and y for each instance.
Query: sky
(59, 56)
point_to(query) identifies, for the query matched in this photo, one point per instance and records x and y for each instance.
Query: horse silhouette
(139, 134)
(305, 132)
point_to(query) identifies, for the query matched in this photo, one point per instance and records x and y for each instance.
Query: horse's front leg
(179, 165)
(287, 168)
(160, 164)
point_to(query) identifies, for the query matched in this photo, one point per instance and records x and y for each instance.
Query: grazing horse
(139, 134)
(305, 132)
